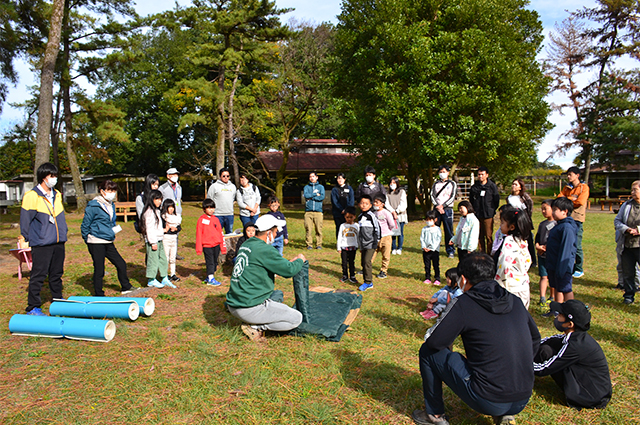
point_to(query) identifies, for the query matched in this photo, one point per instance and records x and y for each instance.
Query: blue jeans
(447, 222)
(248, 219)
(226, 222)
(579, 265)
(278, 243)
(399, 238)
(452, 369)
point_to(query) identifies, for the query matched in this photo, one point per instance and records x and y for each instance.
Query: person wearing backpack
(248, 199)
(443, 195)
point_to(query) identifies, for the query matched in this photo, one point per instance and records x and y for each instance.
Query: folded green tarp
(325, 312)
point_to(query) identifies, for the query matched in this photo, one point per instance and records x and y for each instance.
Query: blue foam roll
(62, 327)
(95, 310)
(147, 305)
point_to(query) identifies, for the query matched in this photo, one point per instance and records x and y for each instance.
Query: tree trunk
(45, 102)
(230, 130)
(281, 174)
(65, 86)
(587, 163)
(55, 133)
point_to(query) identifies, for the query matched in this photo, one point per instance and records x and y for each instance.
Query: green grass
(190, 363)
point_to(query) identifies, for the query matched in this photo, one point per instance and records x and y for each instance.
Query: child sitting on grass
(347, 245)
(574, 359)
(209, 237)
(443, 297)
(430, 240)
(541, 247)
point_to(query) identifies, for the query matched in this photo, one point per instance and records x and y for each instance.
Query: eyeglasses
(224, 176)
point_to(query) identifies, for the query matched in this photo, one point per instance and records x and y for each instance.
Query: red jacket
(208, 233)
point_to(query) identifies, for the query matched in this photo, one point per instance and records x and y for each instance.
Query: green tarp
(326, 312)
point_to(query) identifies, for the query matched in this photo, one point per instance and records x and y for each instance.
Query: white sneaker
(394, 252)
(399, 252)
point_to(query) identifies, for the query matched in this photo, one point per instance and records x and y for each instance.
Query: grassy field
(190, 363)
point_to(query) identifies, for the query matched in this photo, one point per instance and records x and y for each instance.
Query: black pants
(630, 257)
(461, 254)
(211, 255)
(99, 252)
(338, 220)
(348, 263)
(427, 259)
(47, 260)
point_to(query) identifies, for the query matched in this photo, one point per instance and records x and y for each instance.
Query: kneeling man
(500, 339)
(252, 285)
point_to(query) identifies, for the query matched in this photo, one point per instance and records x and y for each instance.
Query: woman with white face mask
(443, 195)
(99, 231)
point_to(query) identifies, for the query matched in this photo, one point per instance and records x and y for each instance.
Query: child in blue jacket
(443, 297)
(561, 249)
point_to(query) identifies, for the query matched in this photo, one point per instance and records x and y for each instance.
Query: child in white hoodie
(153, 231)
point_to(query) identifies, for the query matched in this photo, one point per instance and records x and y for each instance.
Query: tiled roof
(309, 161)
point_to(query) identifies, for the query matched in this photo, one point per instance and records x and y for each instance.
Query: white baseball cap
(172, 171)
(267, 222)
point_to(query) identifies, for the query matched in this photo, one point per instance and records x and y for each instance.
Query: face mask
(392, 186)
(51, 182)
(376, 208)
(109, 196)
(558, 324)
(369, 179)
(429, 223)
(443, 176)
(174, 179)
(460, 284)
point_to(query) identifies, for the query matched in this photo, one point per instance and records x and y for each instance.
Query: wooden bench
(611, 202)
(125, 209)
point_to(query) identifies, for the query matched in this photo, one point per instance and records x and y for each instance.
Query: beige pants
(171, 249)
(384, 246)
(313, 220)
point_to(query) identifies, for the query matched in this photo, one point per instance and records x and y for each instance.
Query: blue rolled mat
(147, 305)
(95, 310)
(62, 327)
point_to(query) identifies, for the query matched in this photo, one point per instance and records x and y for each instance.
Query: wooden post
(534, 187)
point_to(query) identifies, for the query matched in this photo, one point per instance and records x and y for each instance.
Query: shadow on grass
(398, 388)
(215, 312)
(546, 388)
(413, 303)
(414, 327)
(386, 382)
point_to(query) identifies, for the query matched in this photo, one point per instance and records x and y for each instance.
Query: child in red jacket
(209, 236)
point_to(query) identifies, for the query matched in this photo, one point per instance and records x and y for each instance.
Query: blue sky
(314, 11)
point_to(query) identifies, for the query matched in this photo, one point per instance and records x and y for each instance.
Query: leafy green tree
(591, 40)
(231, 35)
(426, 82)
(289, 102)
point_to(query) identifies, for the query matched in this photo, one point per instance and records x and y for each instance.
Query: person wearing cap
(223, 193)
(574, 359)
(578, 193)
(500, 339)
(251, 290)
(172, 190)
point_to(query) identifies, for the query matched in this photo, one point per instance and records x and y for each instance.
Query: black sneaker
(382, 275)
(174, 278)
(547, 314)
(319, 247)
(343, 279)
(353, 280)
(628, 301)
(179, 257)
(309, 247)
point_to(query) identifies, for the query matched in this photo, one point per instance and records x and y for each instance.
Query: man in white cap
(252, 282)
(172, 190)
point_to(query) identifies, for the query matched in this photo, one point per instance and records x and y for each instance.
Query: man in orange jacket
(578, 193)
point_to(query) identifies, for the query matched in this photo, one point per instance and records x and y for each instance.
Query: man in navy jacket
(500, 339)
